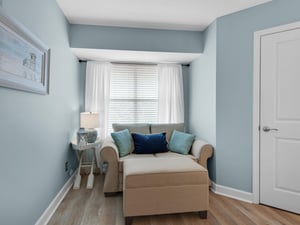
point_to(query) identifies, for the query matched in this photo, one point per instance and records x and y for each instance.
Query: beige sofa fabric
(175, 155)
(190, 198)
(142, 128)
(202, 151)
(133, 156)
(109, 154)
(168, 128)
(160, 186)
(113, 182)
(162, 171)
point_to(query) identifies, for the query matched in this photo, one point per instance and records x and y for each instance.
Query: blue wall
(202, 83)
(36, 129)
(100, 37)
(234, 84)
(202, 116)
(136, 39)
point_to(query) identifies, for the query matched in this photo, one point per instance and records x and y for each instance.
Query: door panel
(285, 149)
(280, 112)
(289, 91)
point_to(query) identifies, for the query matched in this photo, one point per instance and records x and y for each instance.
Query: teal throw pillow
(181, 142)
(123, 141)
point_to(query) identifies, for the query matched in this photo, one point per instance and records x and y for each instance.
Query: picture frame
(24, 59)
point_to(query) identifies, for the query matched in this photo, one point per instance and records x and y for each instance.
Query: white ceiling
(193, 15)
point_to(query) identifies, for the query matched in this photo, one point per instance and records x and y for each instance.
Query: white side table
(80, 149)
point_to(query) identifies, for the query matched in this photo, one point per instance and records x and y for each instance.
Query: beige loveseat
(199, 152)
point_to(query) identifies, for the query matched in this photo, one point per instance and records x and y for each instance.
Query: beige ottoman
(163, 186)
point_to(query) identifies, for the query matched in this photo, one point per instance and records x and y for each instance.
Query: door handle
(267, 129)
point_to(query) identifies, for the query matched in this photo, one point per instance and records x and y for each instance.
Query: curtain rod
(81, 61)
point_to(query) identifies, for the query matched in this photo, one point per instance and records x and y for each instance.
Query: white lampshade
(89, 120)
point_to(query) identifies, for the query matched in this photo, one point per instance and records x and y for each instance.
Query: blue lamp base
(87, 135)
(91, 135)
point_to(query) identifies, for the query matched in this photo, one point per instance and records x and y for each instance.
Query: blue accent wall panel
(234, 89)
(36, 129)
(221, 89)
(202, 94)
(117, 38)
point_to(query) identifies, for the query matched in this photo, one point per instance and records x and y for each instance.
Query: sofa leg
(110, 194)
(203, 214)
(128, 220)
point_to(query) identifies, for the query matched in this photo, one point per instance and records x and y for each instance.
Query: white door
(280, 120)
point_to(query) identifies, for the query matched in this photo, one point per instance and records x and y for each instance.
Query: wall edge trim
(49, 211)
(232, 193)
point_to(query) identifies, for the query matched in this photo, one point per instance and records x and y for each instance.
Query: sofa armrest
(202, 151)
(109, 153)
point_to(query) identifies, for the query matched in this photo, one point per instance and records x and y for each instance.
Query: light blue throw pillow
(181, 142)
(123, 141)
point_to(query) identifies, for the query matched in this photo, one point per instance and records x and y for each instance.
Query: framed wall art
(24, 59)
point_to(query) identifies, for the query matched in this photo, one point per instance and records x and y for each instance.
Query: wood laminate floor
(90, 207)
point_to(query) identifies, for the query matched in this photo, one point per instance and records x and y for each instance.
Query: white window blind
(133, 94)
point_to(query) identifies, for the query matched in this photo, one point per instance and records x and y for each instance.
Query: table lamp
(89, 121)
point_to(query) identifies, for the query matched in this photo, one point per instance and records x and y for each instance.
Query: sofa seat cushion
(157, 155)
(175, 155)
(133, 156)
(163, 172)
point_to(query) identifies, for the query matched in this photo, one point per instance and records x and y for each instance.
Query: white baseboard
(232, 193)
(48, 213)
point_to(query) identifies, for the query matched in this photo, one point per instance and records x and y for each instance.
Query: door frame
(256, 103)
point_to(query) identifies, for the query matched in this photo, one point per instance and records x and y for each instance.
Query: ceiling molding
(194, 15)
(106, 55)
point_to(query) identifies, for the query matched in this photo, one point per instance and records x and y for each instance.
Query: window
(133, 94)
(123, 93)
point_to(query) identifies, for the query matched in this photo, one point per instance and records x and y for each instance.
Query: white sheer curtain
(170, 103)
(97, 90)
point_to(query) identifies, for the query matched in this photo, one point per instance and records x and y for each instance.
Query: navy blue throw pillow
(149, 143)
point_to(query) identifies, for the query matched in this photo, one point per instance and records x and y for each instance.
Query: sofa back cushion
(142, 128)
(167, 128)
